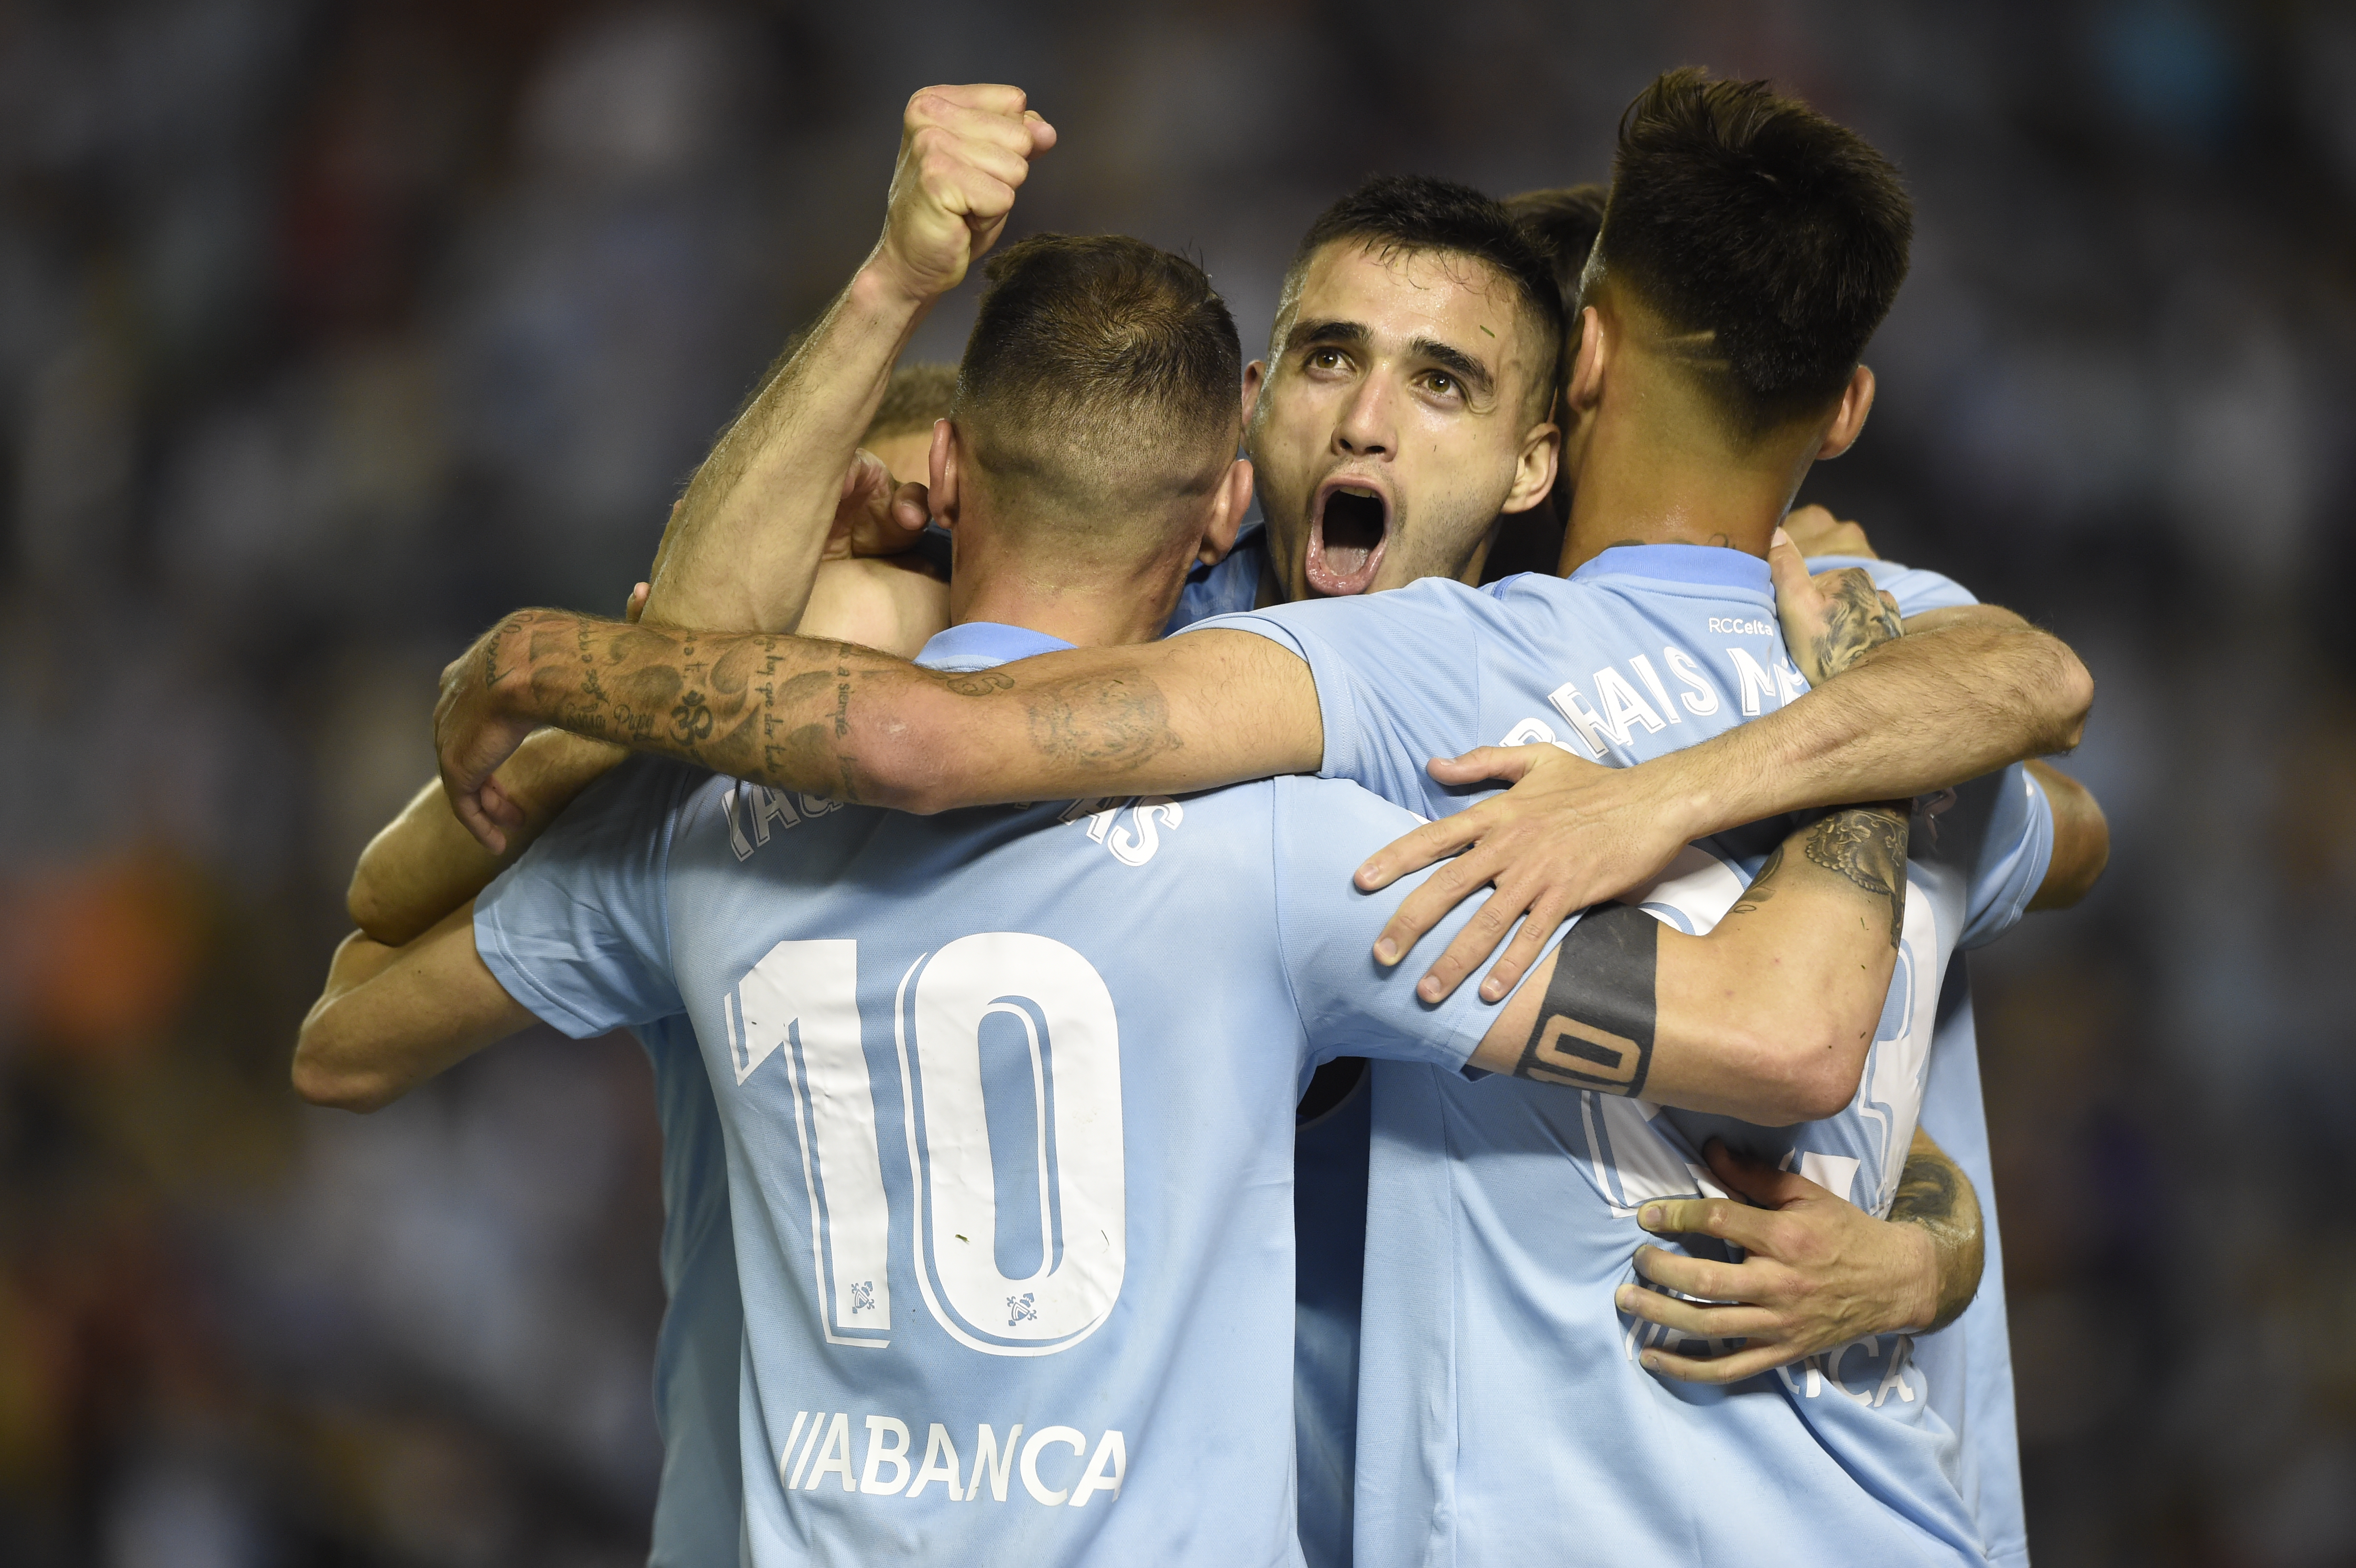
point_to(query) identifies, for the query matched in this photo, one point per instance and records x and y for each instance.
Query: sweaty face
(1391, 423)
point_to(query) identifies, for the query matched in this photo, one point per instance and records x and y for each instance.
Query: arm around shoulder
(391, 1018)
(424, 863)
(2082, 840)
(1768, 1017)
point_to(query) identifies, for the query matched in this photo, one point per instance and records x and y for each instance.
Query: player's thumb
(1507, 763)
(1786, 565)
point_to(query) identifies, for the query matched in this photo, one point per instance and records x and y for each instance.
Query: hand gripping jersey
(1007, 1097)
(1502, 1416)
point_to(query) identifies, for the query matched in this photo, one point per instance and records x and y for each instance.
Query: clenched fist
(964, 152)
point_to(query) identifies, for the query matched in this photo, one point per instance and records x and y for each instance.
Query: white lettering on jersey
(1850, 1369)
(997, 1463)
(1652, 680)
(763, 807)
(1134, 844)
(1730, 625)
(940, 1464)
(1756, 682)
(1622, 708)
(834, 1457)
(801, 1002)
(1583, 719)
(880, 1454)
(1068, 1437)
(1702, 700)
(989, 1461)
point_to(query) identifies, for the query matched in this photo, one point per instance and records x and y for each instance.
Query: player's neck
(1640, 485)
(1089, 609)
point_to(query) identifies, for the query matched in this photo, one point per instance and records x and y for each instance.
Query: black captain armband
(1595, 1026)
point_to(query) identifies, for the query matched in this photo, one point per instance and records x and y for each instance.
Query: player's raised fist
(964, 152)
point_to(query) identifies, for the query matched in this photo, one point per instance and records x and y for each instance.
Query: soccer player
(950, 194)
(1968, 1364)
(1010, 1184)
(1181, 714)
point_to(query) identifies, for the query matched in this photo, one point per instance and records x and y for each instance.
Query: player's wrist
(1690, 800)
(886, 287)
(522, 674)
(1916, 1291)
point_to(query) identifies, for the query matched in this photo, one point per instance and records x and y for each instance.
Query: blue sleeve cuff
(1335, 709)
(516, 978)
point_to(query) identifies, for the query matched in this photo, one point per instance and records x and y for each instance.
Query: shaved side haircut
(1415, 215)
(1768, 239)
(1100, 385)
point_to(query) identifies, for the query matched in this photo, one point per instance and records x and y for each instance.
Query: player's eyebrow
(1475, 376)
(1304, 332)
(1478, 379)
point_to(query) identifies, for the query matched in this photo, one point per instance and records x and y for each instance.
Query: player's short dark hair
(1102, 373)
(1746, 218)
(1418, 215)
(1564, 221)
(916, 397)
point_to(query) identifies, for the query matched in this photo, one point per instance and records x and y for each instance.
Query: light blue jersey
(696, 1354)
(1008, 1102)
(1329, 1217)
(1502, 1417)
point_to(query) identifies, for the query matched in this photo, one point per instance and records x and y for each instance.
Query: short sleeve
(576, 930)
(1348, 1004)
(2012, 861)
(1398, 680)
(1995, 834)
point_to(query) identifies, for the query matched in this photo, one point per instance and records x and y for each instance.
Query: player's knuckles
(927, 106)
(1714, 1217)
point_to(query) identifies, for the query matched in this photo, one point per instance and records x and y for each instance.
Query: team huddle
(1186, 1030)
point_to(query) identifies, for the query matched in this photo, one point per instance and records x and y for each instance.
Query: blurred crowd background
(327, 330)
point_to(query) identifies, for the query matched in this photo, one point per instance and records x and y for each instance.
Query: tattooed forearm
(1096, 722)
(1867, 845)
(1595, 1028)
(774, 709)
(1933, 1193)
(827, 719)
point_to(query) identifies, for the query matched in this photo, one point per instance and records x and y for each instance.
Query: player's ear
(1228, 505)
(942, 469)
(1254, 378)
(1533, 471)
(1848, 420)
(1587, 362)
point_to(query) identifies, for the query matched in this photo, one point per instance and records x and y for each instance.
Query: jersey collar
(978, 645)
(1707, 566)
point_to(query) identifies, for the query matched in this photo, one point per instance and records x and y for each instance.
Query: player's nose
(1366, 428)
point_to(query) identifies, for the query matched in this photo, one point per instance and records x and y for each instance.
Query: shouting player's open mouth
(1348, 528)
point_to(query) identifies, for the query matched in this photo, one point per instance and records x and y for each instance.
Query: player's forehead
(1399, 297)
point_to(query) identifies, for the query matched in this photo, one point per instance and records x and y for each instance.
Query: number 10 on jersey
(800, 1002)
